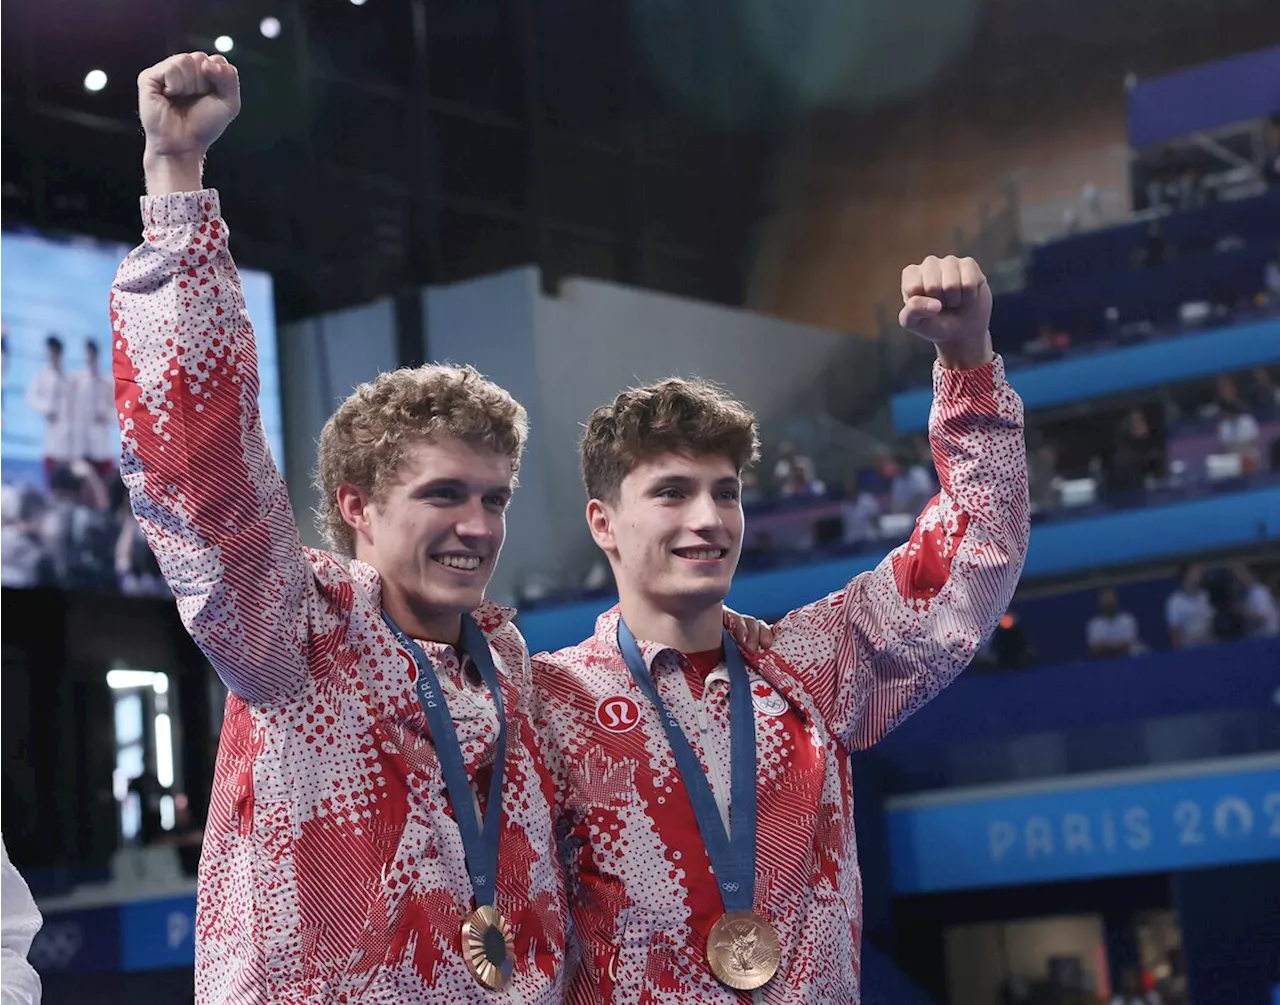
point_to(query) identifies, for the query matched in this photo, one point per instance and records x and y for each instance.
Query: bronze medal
(743, 950)
(488, 946)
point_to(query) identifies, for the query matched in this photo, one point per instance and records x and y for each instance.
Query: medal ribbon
(732, 855)
(479, 838)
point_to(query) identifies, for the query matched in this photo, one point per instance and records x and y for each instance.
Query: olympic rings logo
(56, 946)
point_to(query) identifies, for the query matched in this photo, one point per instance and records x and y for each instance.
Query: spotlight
(95, 80)
(358, 3)
(224, 43)
(270, 27)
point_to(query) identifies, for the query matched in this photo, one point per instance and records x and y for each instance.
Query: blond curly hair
(365, 441)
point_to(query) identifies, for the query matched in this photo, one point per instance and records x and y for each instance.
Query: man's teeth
(468, 563)
(701, 554)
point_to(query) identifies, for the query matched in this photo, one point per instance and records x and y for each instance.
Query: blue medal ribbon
(479, 839)
(732, 854)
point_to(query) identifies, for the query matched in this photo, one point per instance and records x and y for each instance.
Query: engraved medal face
(488, 946)
(743, 951)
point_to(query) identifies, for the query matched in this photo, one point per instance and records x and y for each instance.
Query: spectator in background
(95, 430)
(859, 513)
(790, 462)
(1188, 611)
(1048, 339)
(1264, 395)
(1226, 393)
(49, 394)
(1042, 470)
(77, 531)
(1154, 249)
(1009, 648)
(150, 793)
(1257, 605)
(1239, 434)
(801, 483)
(1188, 193)
(1111, 632)
(913, 484)
(23, 561)
(1173, 986)
(1271, 280)
(1133, 992)
(751, 493)
(1137, 458)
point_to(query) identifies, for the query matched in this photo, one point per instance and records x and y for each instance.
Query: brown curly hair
(365, 440)
(672, 416)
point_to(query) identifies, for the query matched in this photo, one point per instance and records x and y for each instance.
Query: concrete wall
(321, 360)
(490, 323)
(562, 355)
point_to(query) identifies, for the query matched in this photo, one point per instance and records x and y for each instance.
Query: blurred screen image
(66, 517)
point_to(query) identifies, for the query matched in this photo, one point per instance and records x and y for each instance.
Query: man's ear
(600, 523)
(354, 504)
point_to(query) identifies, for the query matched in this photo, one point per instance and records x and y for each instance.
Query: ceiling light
(224, 43)
(270, 27)
(95, 80)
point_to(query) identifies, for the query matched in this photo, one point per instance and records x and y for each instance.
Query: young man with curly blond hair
(706, 798)
(380, 826)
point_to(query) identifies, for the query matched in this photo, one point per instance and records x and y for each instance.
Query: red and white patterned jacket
(332, 868)
(842, 672)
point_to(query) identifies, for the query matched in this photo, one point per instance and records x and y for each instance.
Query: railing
(1196, 704)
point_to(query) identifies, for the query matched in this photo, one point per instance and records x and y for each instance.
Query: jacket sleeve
(20, 924)
(874, 652)
(204, 488)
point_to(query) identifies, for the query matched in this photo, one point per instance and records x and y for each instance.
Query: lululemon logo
(617, 714)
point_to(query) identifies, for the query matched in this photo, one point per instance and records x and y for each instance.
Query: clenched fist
(947, 301)
(185, 102)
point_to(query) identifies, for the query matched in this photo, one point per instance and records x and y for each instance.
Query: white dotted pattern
(849, 667)
(332, 868)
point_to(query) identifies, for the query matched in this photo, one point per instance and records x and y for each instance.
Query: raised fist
(947, 301)
(185, 102)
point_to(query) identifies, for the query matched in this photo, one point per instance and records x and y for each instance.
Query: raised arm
(894, 637)
(20, 922)
(203, 485)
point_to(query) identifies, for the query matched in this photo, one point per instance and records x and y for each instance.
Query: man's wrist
(168, 173)
(966, 354)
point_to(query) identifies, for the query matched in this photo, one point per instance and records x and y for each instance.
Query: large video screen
(66, 518)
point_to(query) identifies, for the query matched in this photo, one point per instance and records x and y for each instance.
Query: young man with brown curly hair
(706, 798)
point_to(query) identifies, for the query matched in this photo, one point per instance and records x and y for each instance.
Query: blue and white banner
(157, 934)
(1185, 816)
(147, 934)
